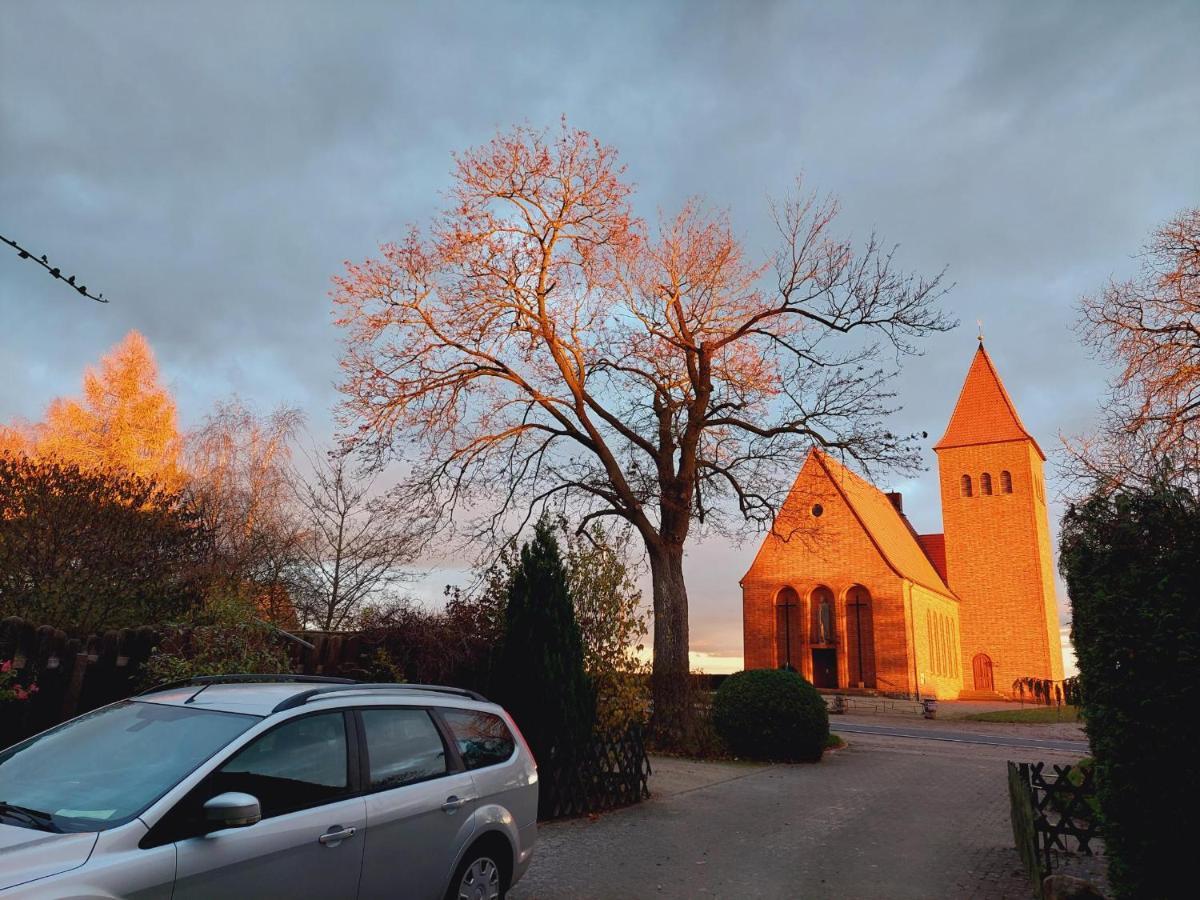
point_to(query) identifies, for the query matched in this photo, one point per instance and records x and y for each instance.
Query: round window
(817, 509)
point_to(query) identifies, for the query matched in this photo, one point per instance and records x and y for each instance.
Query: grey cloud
(209, 166)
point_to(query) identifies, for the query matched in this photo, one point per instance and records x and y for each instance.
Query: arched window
(966, 485)
(985, 484)
(860, 638)
(1006, 482)
(788, 629)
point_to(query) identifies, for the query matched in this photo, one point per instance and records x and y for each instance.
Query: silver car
(271, 786)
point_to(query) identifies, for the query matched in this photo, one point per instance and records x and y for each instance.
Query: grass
(834, 743)
(1030, 715)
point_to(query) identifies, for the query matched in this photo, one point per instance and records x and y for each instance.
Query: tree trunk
(669, 679)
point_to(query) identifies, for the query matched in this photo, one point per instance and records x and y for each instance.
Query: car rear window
(482, 738)
(403, 746)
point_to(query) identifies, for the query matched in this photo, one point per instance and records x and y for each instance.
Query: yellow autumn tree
(125, 421)
(14, 440)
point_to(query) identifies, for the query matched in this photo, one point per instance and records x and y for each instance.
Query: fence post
(1020, 796)
(74, 685)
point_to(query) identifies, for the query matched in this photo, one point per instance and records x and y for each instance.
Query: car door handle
(334, 837)
(454, 804)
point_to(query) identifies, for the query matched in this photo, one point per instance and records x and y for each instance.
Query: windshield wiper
(34, 817)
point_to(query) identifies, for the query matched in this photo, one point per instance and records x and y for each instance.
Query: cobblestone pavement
(884, 818)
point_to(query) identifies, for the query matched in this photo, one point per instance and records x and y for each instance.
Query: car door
(420, 803)
(309, 842)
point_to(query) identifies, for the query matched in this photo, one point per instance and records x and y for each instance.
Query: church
(847, 593)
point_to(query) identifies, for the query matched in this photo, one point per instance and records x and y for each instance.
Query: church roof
(885, 525)
(934, 546)
(984, 413)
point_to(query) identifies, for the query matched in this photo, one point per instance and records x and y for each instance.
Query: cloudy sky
(209, 166)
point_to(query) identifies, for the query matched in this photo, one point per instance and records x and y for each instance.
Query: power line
(53, 270)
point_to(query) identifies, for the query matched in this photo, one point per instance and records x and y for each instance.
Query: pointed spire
(984, 413)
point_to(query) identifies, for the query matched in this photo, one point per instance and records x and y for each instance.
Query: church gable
(816, 535)
(836, 524)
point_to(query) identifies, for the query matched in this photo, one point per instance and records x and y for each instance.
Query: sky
(210, 166)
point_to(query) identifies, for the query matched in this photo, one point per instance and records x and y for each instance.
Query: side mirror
(232, 810)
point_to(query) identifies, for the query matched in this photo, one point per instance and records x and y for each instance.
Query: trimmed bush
(771, 714)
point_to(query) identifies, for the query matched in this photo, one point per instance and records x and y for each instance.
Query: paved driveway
(887, 817)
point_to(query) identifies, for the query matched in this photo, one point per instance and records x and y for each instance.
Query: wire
(53, 270)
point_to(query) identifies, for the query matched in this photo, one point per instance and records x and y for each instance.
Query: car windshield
(105, 768)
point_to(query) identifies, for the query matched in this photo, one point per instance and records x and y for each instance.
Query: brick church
(846, 592)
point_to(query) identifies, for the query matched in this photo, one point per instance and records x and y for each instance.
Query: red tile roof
(887, 528)
(934, 546)
(984, 413)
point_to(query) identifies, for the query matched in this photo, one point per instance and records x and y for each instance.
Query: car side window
(403, 746)
(482, 738)
(301, 763)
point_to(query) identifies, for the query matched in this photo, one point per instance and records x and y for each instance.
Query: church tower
(997, 538)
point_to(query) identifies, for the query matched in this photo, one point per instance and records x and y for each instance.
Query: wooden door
(982, 667)
(825, 667)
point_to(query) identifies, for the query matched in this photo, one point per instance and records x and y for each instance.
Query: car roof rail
(246, 678)
(300, 699)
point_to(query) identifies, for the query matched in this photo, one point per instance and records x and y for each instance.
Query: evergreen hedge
(771, 714)
(1131, 560)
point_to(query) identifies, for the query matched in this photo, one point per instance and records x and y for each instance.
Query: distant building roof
(888, 529)
(984, 413)
(934, 546)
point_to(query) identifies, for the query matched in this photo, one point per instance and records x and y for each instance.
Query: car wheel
(478, 878)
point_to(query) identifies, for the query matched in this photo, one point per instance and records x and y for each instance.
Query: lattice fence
(612, 771)
(1053, 812)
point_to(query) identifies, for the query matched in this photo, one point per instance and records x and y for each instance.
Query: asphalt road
(1080, 748)
(886, 817)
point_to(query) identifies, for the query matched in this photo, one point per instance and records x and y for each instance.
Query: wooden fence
(73, 675)
(612, 771)
(1052, 813)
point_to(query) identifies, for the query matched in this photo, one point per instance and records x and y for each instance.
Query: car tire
(478, 877)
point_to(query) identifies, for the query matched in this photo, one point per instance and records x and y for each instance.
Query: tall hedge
(1131, 560)
(540, 677)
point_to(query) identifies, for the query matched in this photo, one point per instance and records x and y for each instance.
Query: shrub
(84, 550)
(1131, 560)
(11, 687)
(771, 714)
(225, 638)
(540, 678)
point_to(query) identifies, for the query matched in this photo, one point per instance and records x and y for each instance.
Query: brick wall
(830, 550)
(999, 562)
(936, 625)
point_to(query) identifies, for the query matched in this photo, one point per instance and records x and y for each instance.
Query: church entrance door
(824, 667)
(982, 669)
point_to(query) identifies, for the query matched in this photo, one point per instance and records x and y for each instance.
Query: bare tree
(539, 347)
(356, 542)
(1149, 328)
(239, 463)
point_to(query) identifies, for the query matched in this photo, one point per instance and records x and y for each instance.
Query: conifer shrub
(771, 714)
(540, 677)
